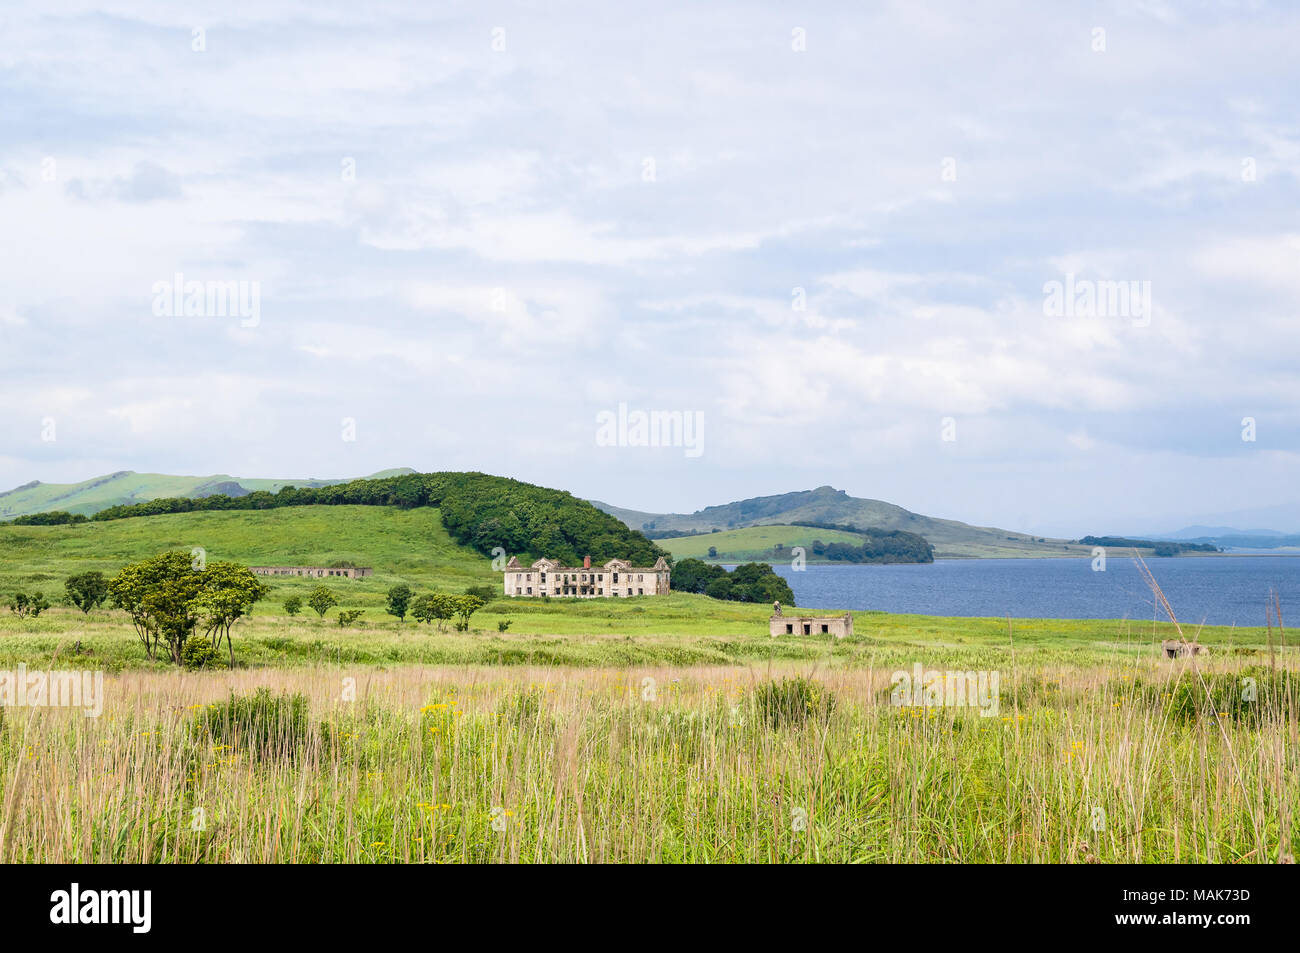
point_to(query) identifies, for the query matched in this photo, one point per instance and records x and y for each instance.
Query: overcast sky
(825, 229)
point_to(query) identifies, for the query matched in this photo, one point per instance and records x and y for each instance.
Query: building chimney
(586, 562)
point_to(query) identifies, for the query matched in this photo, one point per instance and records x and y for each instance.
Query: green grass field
(401, 545)
(654, 729)
(412, 547)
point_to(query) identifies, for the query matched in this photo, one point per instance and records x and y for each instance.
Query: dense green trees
(430, 608)
(54, 518)
(1159, 547)
(86, 590)
(24, 605)
(441, 607)
(167, 598)
(751, 582)
(877, 545)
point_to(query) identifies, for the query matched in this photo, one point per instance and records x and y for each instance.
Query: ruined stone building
(617, 578)
(316, 572)
(836, 625)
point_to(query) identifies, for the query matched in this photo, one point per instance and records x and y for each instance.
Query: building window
(807, 630)
(825, 629)
(789, 628)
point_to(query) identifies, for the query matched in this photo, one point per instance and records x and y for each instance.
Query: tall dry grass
(1116, 763)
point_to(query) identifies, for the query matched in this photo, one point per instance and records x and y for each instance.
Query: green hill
(127, 487)
(478, 514)
(828, 505)
(410, 546)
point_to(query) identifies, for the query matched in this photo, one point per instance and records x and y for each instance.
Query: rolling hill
(126, 487)
(410, 546)
(828, 505)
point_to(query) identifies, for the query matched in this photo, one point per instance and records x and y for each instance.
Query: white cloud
(498, 261)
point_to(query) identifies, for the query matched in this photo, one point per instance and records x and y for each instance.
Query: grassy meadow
(659, 764)
(668, 729)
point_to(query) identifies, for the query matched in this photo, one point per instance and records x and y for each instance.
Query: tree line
(877, 546)
(1160, 547)
(751, 582)
(183, 606)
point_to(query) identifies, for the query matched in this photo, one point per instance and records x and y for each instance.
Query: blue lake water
(1219, 590)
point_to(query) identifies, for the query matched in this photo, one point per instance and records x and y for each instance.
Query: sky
(879, 246)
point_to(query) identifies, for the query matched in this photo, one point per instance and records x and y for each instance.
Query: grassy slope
(739, 545)
(827, 505)
(401, 545)
(125, 487)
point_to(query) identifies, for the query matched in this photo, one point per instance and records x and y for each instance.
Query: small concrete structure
(315, 572)
(836, 625)
(1175, 648)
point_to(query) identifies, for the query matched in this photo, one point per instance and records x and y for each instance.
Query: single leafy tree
(229, 591)
(293, 605)
(465, 606)
(322, 599)
(422, 609)
(25, 605)
(435, 607)
(399, 600)
(159, 595)
(87, 590)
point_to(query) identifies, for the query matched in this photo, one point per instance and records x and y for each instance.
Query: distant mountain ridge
(126, 487)
(1213, 532)
(828, 505)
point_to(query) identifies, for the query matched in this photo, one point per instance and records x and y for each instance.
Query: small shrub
(1249, 695)
(265, 725)
(503, 624)
(293, 605)
(349, 616)
(793, 701)
(198, 653)
(521, 708)
(486, 593)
